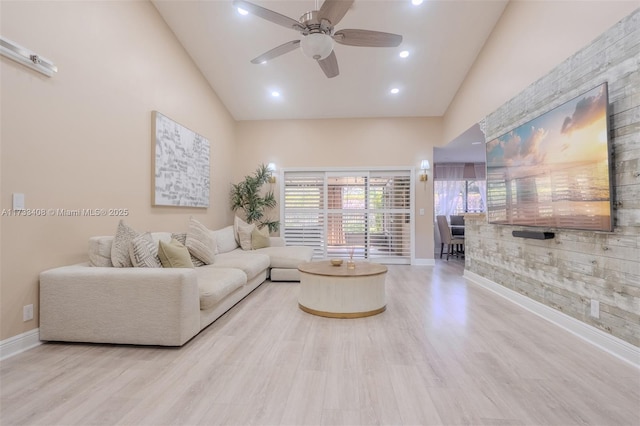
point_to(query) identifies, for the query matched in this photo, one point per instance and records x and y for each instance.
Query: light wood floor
(444, 352)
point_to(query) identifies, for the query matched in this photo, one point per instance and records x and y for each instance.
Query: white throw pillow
(226, 239)
(120, 247)
(237, 223)
(244, 233)
(144, 252)
(201, 242)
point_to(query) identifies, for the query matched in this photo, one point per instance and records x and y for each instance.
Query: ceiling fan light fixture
(317, 46)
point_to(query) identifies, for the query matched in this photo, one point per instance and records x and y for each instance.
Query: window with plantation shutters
(364, 214)
(304, 216)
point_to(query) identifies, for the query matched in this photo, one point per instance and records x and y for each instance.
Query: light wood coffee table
(338, 292)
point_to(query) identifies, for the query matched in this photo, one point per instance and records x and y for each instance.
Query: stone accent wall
(567, 272)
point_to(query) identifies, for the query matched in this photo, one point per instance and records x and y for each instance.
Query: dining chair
(457, 224)
(446, 237)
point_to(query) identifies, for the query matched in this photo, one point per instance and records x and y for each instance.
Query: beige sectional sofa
(98, 303)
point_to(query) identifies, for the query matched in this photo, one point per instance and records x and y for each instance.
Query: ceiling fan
(318, 36)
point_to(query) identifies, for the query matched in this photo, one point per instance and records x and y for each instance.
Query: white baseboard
(424, 262)
(605, 341)
(20, 343)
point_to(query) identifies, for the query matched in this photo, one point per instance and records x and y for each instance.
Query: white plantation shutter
(390, 217)
(346, 214)
(304, 216)
(367, 213)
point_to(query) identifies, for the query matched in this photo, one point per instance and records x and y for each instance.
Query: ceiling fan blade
(334, 10)
(276, 51)
(330, 65)
(366, 38)
(269, 15)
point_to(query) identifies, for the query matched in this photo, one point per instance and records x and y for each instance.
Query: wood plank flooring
(445, 352)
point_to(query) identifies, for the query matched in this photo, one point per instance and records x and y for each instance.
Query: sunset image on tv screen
(554, 171)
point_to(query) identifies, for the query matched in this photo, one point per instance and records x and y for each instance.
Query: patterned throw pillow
(260, 238)
(201, 242)
(182, 239)
(120, 247)
(144, 252)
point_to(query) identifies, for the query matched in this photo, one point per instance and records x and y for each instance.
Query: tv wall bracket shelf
(535, 235)
(24, 56)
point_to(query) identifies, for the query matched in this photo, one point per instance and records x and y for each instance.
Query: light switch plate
(18, 201)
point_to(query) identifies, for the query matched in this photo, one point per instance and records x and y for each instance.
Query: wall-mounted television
(555, 170)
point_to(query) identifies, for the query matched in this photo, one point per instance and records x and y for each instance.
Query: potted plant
(248, 196)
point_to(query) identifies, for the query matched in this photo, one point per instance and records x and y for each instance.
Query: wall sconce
(272, 168)
(424, 166)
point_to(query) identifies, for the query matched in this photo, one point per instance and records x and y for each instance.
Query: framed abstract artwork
(181, 170)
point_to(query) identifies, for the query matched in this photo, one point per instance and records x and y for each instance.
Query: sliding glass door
(364, 214)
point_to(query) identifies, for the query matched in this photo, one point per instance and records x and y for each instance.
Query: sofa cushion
(251, 263)
(120, 256)
(259, 238)
(100, 251)
(144, 252)
(287, 257)
(201, 242)
(216, 283)
(281, 274)
(174, 255)
(225, 239)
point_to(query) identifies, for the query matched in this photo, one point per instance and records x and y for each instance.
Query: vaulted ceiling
(443, 38)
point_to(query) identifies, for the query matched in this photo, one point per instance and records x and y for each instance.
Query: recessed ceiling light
(416, 2)
(476, 143)
(404, 54)
(275, 94)
(242, 11)
(395, 90)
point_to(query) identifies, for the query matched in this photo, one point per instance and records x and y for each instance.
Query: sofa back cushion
(225, 239)
(100, 251)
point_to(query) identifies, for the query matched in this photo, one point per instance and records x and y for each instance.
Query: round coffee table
(339, 292)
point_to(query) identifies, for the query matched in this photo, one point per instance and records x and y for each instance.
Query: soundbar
(535, 235)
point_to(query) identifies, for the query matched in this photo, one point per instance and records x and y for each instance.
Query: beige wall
(530, 39)
(82, 139)
(347, 143)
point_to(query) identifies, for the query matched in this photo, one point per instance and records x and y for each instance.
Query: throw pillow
(237, 223)
(144, 252)
(260, 238)
(120, 247)
(174, 255)
(244, 233)
(182, 239)
(201, 242)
